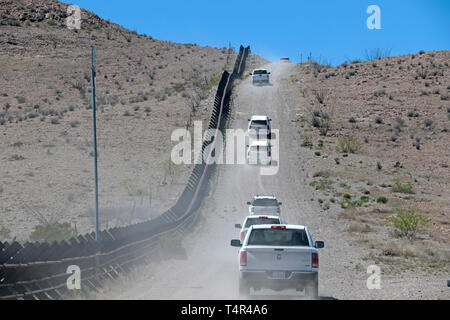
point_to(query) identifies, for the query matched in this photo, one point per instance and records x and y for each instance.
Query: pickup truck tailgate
(278, 258)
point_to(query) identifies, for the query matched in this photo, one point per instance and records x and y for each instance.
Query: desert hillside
(146, 88)
(379, 133)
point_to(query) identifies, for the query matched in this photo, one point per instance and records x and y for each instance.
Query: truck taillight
(278, 210)
(315, 260)
(243, 233)
(253, 209)
(243, 258)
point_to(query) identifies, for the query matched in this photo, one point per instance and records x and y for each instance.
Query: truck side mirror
(319, 244)
(238, 226)
(249, 203)
(280, 203)
(236, 243)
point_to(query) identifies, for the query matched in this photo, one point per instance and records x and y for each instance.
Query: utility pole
(94, 129)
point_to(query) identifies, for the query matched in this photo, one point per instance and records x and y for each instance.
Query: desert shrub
(347, 196)
(444, 97)
(17, 144)
(358, 227)
(321, 184)
(408, 222)
(413, 114)
(348, 145)
(379, 93)
(400, 187)
(54, 121)
(307, 143)
(20, 99)
(317, 153)
(16, 157)
(321, 121)
(422, 73)
(416, 143)
(321, 173)
(352, 120)
(320, 95)
(378, 120)
(382, 199)
(428, 122)
(52, 232)
(74, 123)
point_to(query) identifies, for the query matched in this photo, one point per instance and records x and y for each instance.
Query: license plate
(279, 275)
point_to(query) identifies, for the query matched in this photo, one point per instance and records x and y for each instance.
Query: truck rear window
(258, 123)
(278, 237)
(265, 203)
(260, 72)
(255, 221)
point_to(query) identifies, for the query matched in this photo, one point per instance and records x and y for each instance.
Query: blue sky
(332, 31)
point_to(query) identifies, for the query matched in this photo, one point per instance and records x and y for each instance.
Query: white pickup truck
(260, 127)
(264, 204)
(278, 257)
(260, 76)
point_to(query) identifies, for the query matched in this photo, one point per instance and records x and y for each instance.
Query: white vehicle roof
(259, 118)
(264, 197)
(269, 226)
(260, 143)
(257, 216)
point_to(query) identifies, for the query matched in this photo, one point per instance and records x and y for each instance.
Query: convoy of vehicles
(272, 254)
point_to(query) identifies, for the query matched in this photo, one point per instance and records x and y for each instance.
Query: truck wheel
(244, 289)
(312, 289)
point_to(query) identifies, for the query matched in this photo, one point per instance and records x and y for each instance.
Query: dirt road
(210, 270)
